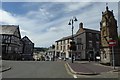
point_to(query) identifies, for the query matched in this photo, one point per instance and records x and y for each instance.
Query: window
(61, 42)
(2, 38)
(79, 40)
(68, 47)
(12, 39)
(76, 47)
(6, 39)
(57, 43)
(64, 48)
(90, 44)
(97, 44)
(81, 47)
(68, 41)
(29, 43)
(90, 35)
(104, 56)
(9, 39)
(16, 49)
(61, 47)
(9, 48)
(97, 36)
(64, 42)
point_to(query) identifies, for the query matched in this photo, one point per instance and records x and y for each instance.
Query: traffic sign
(112, 42)
(72, 46)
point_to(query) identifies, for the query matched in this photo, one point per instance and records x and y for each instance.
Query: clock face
(104, 23)
(103, 31)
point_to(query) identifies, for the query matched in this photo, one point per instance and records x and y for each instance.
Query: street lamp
(71, 22)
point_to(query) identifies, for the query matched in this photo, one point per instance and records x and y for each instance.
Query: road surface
(36, 69)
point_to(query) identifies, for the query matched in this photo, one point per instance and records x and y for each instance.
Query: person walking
(89, 59)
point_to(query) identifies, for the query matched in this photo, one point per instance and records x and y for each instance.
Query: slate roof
(26, 38)
(85, 30)
(91, 30)
(8, 29)
(67, 37)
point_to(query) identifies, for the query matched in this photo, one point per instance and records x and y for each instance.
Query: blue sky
(46, 22)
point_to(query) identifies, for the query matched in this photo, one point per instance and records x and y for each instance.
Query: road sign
(72, 46)
(112, 42)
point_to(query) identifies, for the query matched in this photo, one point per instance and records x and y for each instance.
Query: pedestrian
(89, 59)
(53, 58)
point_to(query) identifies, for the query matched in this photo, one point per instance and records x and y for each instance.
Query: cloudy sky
(46, 22)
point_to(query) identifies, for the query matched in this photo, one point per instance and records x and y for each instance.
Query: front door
(91, 55)
(4, 51)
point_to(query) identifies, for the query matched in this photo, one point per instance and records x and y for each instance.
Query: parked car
(97, 58)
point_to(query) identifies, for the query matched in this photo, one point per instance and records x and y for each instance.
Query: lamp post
(71, 22)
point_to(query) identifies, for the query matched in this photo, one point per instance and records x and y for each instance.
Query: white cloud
(60, 0)
(37, 25)
(24, 31)
(76, 6)
(41, 14)
(54, 29)
(34, 29)
(7, 18)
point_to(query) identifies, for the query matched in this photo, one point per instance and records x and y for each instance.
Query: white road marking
(74, 76)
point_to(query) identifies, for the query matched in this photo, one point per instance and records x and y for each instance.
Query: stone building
(28, 48)
(87, 44)
(108, 27)
(11, 42)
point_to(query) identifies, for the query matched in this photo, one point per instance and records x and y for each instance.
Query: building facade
(108, 27)
(11, 42)
(28, 48)
(87, 44)
(62, 47)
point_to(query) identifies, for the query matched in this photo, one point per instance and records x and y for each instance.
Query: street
(57, 69)
(35, 69)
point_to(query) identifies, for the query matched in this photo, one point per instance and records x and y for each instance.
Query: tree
(53, 46)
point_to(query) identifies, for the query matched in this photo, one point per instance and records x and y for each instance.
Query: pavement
(89, 68)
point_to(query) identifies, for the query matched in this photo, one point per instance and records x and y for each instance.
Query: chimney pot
(81, 25)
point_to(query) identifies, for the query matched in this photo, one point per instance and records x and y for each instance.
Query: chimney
(107, 8)
(81, 25)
